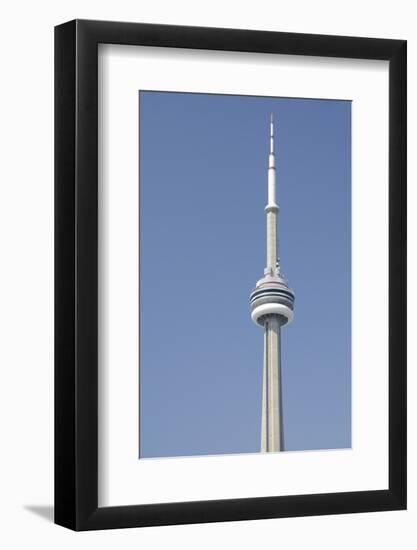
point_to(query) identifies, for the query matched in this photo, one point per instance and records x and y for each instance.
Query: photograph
(230, 274)
(209, 259)
(245, 274)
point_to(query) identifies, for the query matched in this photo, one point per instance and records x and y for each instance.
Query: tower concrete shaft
(272, 432)
(271, 242)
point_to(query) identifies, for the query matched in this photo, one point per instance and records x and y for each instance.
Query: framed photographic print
(230, 275)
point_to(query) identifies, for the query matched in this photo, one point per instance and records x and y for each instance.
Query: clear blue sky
(203, 189)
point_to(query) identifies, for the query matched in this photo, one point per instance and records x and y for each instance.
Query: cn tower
(272, 307)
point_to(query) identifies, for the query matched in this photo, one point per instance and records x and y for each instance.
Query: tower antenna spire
(272, 207)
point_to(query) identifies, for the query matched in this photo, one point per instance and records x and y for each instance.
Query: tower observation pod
(272, 307)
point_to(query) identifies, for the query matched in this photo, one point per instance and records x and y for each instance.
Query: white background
(26, 301)
(123, 479)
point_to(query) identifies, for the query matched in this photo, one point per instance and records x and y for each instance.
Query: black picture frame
(76, 272)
